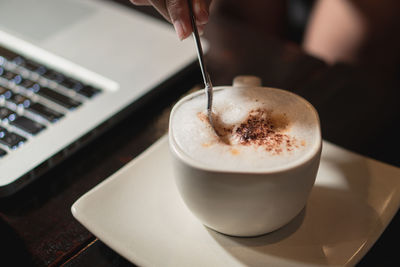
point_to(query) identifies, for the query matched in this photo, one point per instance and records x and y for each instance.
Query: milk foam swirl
(258, 129)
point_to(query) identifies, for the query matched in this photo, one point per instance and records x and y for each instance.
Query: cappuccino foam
(256, 129)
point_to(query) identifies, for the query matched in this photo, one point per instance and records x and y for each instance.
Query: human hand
(177, 12)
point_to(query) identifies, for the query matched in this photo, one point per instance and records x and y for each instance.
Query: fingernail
(200, 11)
(179, 29)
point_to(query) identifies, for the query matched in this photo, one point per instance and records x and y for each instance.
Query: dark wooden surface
(358, 107)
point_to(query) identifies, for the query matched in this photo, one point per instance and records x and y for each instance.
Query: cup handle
(246, 81)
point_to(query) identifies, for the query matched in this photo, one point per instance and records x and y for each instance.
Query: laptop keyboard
(32, 97)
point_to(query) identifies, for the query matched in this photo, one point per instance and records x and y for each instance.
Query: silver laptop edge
(120, 51)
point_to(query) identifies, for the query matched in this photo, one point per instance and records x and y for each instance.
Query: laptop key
(26, 83)
(9, 75)
(88, 91)
(80, 88)
(41, 70)
(7, 114)
(28, 125)
(12, 140)
(46, 112)
(2, 153)
(54, 75)
(19, 60)
(71, 83)
(20, 100)
(31, 65)
(5, 92)
(58, 98)
(7, 54)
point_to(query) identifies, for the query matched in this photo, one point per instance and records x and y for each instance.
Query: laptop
(66, 68)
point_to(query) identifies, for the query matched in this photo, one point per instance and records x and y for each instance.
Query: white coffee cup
(246, 203)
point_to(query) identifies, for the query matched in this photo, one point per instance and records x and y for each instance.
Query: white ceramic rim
(315, 150)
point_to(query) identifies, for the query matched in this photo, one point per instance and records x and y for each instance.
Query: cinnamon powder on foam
(260, 129)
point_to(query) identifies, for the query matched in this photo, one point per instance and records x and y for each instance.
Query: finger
(141, 2)
(178, 11)
(201, 9)
(164, 7)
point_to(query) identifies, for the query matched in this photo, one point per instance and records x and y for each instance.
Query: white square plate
(139, 213)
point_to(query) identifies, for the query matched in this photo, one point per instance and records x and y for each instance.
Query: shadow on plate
(333, 228)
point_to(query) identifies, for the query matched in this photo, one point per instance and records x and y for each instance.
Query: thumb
(178, 11)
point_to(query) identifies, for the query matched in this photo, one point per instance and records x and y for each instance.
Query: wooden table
(358, 107)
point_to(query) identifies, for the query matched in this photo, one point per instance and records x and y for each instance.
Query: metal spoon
(206, 77)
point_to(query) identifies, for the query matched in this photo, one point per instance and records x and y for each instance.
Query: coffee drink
(256, 129)
(253, 171)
